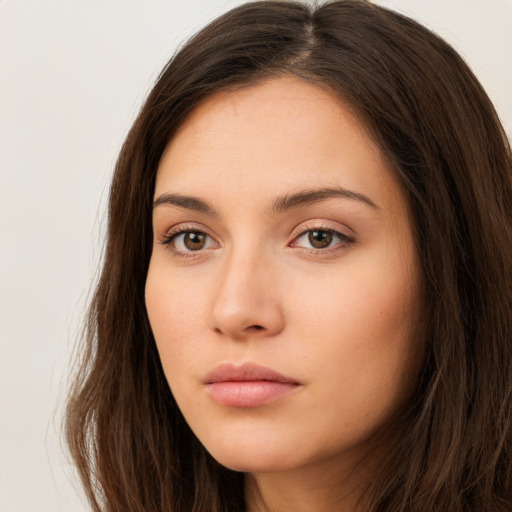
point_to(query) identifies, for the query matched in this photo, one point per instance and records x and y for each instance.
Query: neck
(308, 489)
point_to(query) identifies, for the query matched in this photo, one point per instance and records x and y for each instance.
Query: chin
(251, 463)
(252, 458)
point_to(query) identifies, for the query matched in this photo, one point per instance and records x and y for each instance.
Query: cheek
(357, 333)
(369, 300)
(174, 310)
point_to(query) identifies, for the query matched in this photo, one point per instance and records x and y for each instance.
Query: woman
(306, 295)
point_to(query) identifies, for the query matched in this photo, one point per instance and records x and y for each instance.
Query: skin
(339, 320)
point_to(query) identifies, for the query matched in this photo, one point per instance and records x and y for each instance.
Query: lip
(247, 385)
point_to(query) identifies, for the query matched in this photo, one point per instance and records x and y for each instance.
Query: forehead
(281, 134)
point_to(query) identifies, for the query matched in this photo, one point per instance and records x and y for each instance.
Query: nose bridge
(246, 299)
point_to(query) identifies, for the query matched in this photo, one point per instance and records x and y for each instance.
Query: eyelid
(184, 228)
(324, 225)
(167, 238)
(344, 240)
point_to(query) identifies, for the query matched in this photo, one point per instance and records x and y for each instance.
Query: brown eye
(194, 240)
(189, 241)
(320, 238)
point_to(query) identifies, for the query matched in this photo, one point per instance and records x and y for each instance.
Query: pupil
(194, 241)
(320, 238)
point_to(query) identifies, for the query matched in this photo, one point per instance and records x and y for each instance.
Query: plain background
(73, 74)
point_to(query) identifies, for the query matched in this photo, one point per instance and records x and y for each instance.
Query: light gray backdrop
(73, 74)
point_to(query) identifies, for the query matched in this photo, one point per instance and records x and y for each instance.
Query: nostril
(249, 328)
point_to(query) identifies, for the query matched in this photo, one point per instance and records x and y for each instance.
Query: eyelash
(168, 239)
(345, 240)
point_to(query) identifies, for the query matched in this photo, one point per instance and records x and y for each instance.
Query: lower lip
(249, 393)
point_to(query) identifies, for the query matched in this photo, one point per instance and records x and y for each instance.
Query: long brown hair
(452, 448)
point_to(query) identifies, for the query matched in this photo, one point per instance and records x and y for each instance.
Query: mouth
(247, 385)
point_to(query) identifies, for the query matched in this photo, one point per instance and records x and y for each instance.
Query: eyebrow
(279, 205)
(190, 203)
(305, 197)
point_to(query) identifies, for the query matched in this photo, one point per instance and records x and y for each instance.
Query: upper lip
(229, 372)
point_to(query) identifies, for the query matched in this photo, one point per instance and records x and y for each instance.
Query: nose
(246, 301)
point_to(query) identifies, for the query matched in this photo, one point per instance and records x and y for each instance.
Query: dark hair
(452, 444)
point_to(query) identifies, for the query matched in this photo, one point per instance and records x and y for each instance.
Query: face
(283, 287)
